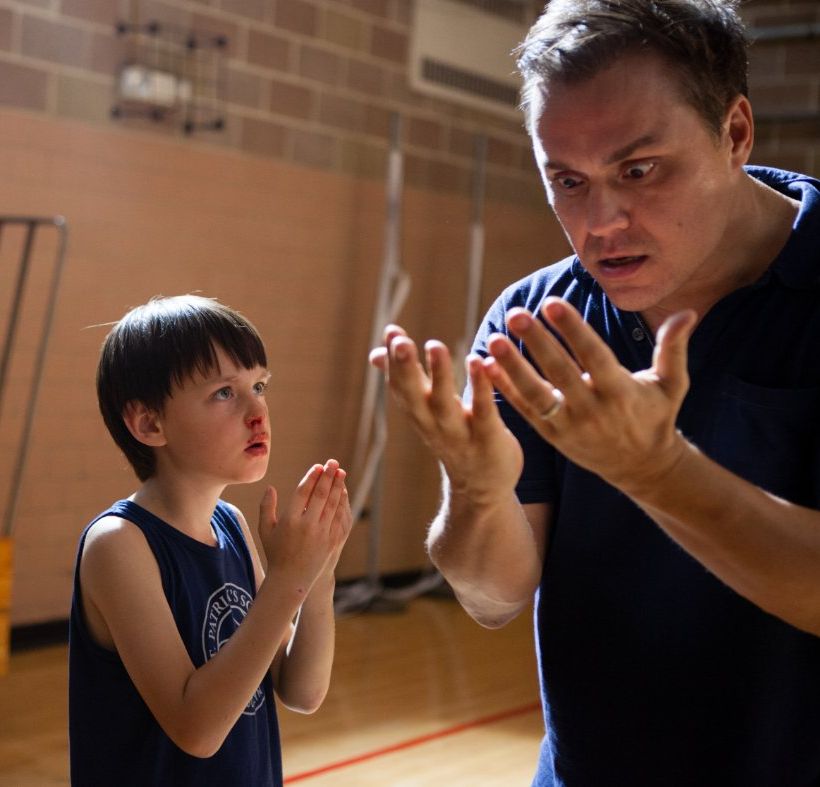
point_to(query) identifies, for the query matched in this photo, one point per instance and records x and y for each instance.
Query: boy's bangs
(199, 333)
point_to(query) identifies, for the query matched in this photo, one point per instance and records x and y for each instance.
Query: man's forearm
(488, 554)
(765, 548)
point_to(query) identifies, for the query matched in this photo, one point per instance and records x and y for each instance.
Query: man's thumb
(671, 349)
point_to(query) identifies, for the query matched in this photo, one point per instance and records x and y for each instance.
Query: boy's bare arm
(301, 671)
(302, 666)
(198, 707)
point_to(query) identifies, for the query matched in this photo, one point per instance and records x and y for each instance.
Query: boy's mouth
(258, 443)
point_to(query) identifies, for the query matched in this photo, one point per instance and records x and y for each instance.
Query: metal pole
(39, 364)
(476, 261)
(17, 300)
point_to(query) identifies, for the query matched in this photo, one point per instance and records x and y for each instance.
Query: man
(651, 467)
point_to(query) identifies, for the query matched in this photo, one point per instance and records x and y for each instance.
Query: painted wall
(281, 215)
(295, 249)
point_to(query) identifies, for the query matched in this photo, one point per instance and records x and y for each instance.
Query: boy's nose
(254, 420)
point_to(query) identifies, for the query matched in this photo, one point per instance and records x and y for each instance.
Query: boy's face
(639, 183)
(216, 426)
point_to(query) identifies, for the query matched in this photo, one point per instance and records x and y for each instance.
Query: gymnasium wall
(282, 216)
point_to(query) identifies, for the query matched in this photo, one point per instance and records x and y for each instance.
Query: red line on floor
(334, 766)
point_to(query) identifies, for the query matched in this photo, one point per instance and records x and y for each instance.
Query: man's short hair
(704, 41)
(161, 343)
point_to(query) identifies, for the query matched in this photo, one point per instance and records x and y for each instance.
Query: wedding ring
(553, 409)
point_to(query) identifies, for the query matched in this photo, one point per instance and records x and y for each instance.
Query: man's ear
(143, 423)
(739, 128)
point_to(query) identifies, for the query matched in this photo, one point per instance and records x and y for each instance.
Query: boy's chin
(259, 474)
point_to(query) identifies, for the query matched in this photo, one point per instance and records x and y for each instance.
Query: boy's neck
(186, 507)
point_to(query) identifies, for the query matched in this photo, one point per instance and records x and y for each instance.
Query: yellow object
(6, 552)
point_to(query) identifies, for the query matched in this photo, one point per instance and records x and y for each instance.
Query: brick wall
(281, 216)
(308, 81)
(314, 82)
(784, 86)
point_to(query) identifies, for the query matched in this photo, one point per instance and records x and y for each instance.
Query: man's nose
(607, 211)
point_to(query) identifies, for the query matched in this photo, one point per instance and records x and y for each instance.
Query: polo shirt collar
(798, 263)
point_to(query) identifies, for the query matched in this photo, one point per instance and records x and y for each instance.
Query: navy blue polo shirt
(653, 672)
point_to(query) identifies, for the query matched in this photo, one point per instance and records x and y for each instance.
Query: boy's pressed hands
(306, 541)
(480, 455)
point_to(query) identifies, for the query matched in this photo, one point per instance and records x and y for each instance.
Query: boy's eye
(223, 394)
(260, 387)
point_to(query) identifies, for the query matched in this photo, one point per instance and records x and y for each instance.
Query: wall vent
(462, 52)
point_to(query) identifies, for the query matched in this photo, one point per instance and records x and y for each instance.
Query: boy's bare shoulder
(112, 532)
(117, 566)
(111, 544)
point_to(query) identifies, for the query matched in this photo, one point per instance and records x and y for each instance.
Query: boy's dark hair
(702, 40)
(161, 343)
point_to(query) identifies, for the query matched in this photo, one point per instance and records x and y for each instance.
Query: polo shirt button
(638, 334)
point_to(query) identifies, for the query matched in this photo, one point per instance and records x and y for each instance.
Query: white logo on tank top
(225, 610)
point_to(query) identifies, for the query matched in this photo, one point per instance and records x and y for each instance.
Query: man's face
(641, 186)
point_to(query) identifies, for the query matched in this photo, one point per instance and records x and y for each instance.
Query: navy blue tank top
(113, 736)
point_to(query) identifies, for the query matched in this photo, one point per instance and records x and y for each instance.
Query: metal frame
(32, 224)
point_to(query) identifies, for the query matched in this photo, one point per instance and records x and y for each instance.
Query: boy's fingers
(267, 507)
(334, 497)
(345, 515)
(305, 488)
(318, 495)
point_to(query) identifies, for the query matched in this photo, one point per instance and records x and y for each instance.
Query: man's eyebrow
(619, 155)
(627, 150)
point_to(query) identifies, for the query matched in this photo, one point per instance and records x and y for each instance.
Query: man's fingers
(671, 351)
(516, 379)
(589, 350)
(443, 392)
(404, 369)
(378, 358)
(483, 405)
(391, 331)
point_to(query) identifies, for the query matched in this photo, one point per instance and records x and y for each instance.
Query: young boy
(178, 638)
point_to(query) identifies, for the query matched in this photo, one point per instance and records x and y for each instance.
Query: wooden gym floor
(420, 698)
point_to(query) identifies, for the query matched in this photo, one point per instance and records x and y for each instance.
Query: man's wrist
(648, 485)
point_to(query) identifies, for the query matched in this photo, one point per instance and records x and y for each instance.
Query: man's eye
(638, 171)
(566, 182)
